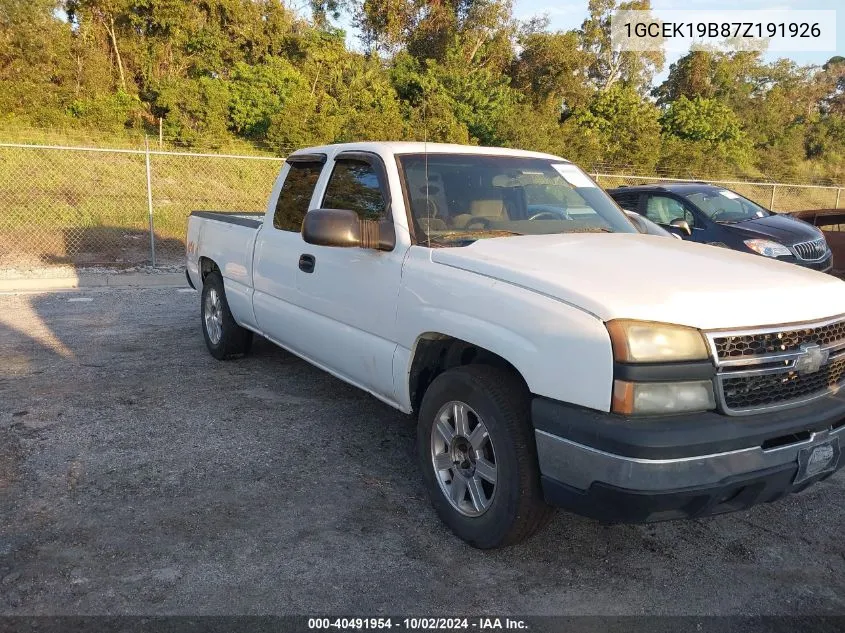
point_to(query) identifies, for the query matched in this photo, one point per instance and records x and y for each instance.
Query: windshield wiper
(460, 236)
(597, 229)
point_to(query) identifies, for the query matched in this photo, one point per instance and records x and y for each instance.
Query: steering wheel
(479, 219)
(550, 214)
(718, 213)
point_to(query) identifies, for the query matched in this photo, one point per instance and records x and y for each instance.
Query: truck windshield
(456, 199)
(725, 206)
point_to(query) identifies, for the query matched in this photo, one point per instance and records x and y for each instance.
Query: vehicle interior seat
(658, 210)
(490, 207)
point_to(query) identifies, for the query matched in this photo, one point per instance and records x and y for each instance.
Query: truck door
(350, 294)
(278, 246)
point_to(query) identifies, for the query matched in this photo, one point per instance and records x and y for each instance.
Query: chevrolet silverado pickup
(551, 353)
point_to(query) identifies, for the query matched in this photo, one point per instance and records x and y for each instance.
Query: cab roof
(416, 147)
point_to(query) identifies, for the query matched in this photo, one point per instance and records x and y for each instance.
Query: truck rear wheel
(478, 456)
(223, 336)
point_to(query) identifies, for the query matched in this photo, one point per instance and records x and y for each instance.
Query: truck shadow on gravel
(143, 476)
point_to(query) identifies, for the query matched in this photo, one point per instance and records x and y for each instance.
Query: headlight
(655, 398)
(767, 248)
(649, 342)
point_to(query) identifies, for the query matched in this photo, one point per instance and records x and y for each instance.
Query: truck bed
(228, 240)
(242, 218)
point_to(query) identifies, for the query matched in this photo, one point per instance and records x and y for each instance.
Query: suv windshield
(458, 198)
(725, 206)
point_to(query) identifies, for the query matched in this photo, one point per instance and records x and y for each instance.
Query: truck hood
(617, 275)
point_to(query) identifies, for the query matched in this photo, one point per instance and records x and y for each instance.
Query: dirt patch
(10, 458)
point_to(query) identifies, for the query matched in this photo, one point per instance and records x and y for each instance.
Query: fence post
(150, 200)
(772, 201)
(838, 193)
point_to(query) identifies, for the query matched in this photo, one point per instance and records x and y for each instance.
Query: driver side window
(663, 209)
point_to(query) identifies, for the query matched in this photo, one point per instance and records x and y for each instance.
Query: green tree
(703, 136)
(37, 66)
(195, 111)
(259, 91)
(550, 67)
(826, 145)
(608, 65)
(619, 128)
(700, 119)
(831, 79)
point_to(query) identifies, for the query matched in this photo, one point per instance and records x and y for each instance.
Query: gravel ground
(138, 475)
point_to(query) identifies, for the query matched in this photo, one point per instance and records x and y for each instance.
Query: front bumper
(824, 265)
(619, 469)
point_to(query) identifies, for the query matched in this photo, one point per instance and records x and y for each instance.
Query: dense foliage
(210, 71)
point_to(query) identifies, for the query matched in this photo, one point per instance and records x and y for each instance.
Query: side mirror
(681, 225)
(344, 229)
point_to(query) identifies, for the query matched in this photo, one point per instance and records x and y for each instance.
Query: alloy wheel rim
(463, 458)
(213, 316)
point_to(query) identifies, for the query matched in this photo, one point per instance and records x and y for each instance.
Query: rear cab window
(295, 195)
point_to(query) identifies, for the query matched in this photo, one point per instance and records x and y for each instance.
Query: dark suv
(704, 213)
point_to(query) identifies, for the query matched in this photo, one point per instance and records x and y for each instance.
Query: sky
(569, 14)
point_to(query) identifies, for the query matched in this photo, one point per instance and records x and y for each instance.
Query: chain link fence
(85, 206)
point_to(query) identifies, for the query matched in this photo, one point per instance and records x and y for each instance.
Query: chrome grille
(811, 251)
(767, 389)
(773, 367)
(747, 345)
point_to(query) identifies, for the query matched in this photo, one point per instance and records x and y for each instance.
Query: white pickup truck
(553, 355)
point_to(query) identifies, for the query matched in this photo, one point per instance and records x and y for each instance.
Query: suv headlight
(767, 248)
(650, 342)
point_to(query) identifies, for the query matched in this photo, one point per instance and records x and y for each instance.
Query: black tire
(233, 339)
(517, 509)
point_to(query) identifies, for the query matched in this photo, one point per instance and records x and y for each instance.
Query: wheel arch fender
(472, 341)
(560, 353)
(206, 265)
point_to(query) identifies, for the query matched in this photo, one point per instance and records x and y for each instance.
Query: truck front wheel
(478, 457)
(223, 336)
